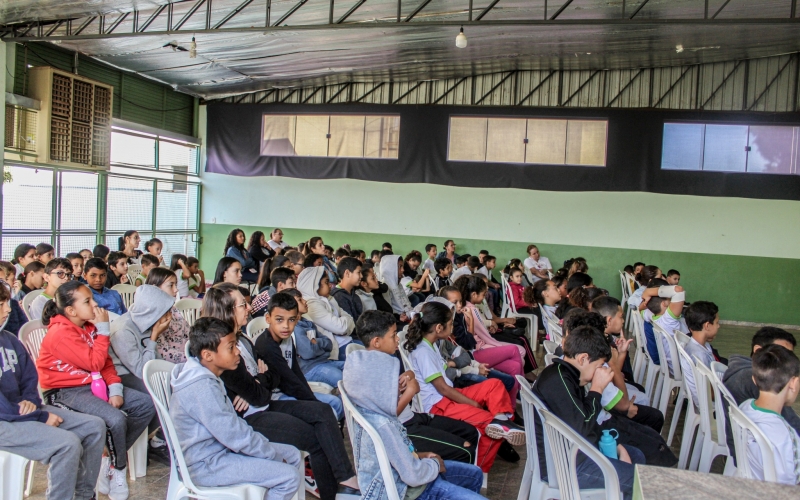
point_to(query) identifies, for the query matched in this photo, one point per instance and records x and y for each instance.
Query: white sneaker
(119, 485)
(103, 483)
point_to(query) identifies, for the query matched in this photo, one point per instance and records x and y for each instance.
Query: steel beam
(560, 10)
(766, 89)
(289, 13)
(410, 90)
(152, 18)
(116, 23)
(232, 13)
(591, 77)
(537, 87)
(486, 10)
(416, 11)
(722, 84)
(720, 9)
(623, 89)
(350, 11)
(334, 96)
(447, 92)
(189, 14)
(266, 94)
(495, 87)
(308, 98)
(640, 7)
(669, 90)
(369, 92)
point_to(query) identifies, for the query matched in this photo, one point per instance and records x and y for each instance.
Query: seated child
(465, 265)
(17, 317)
(367, 285)
(269, 284)
(94, 272)
(664, 307)
(673, 277)
(417, 474)
(77, 264)
(443, 268)
(276, 348)
(57, 272)
(450, 439)
(72, 443)
(545, 295)
(32, 279)
(461, 335)
(329, 319)
(416, 288)
(197, 278)
(117, 269)
(702, 318)
(431, 250)
(776, 371)
(487, 405)
(738, 377)
(77, 346)
(349, 271)
(560, 386)
(518, 292)
(171, 344)
(153, 247)
(487, 265)
(391, 270)
(45, 253)
(219, 447)
(149, 262)
(314, 349)
(179, 266)
(24, 254)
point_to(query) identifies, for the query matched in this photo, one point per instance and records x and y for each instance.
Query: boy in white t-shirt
(537, 265)
(430, 249)
(776, 372)
(664, 308)
(702, 318)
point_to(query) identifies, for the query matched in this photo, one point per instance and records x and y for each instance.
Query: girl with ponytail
(74, 354)
(129, 245)
(486, 405)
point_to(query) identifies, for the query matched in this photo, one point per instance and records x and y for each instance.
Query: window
(528, 140)
(765, 149)
(150, 187)
(333, 136)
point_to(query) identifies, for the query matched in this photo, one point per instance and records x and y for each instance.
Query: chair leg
(730, 468)
(686, 442)
(525, 488)
(706, 455)
(697, 449)
(676, 415)
(29, 486)
(666, 391)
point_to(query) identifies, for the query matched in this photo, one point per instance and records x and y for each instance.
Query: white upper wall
(715, 225)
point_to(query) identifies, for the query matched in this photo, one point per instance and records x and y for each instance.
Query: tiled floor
(504, 479)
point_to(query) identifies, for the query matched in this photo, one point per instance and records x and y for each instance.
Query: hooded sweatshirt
(377, 402)
(210, 433)
(18, 382)
(738, 379)
(131, 346)
(348, 301)
(399, 299)
(329, 319)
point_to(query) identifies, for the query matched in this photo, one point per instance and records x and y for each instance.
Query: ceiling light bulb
(461, 39)
(193, 49)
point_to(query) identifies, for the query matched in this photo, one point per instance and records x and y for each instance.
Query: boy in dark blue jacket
(72, 443)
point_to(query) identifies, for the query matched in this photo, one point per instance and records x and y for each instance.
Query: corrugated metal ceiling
(369, 46)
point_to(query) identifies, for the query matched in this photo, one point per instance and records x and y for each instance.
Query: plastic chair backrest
(352, 346)
(550, 346)
(681, 337)
(256, 327)
(707, 380)
(743, 428)
(28, 299)
(134, 270)
(127, 292)
(682, 354)
(31, 335)
(548, 359)
(190, 309)
(565, 444)
(625, 284)
(554, 330)
(353, 418)
(156, 377)
(506, 296)
(416, 402)
(674, 363)
(531, 403)
(718, 371)
(638, 334)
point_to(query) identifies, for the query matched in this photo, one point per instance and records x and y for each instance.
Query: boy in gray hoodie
(418, 476)
(219, 447)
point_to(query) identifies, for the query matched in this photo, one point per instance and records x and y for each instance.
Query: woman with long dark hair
(234, 247)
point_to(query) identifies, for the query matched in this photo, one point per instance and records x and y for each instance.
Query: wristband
(666, 292)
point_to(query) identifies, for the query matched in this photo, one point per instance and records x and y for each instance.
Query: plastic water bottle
(99, 387)
(608, 443)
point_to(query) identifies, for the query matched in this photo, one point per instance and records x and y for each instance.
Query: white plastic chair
(509, 310)
(416, 402)
(712, 424)
(554, 330)
(137, 457)
(256, 327)
(532, 487)
(681, 337)
(743, 429)
(564, 445)
(31, 335)
(667, 383)
(127, 292)
(550, 346)
(353, 418)
(134, 270)
(156, 375)
(692, 420)
(548, 359)
(28, 298)
(12, 471)
(190, 309)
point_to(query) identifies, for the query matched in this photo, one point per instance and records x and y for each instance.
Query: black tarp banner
(633, 153)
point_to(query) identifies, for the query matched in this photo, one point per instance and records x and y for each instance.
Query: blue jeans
(343, 349)
(330, 399)
(467, 379)
(329, 372)
(590, 475)
(461, 481)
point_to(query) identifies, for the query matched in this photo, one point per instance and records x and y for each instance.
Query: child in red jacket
(518, 292)
(72, 350)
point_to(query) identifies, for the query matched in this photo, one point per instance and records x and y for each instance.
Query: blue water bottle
(608, 443)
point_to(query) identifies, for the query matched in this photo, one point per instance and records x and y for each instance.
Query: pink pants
(505, 359)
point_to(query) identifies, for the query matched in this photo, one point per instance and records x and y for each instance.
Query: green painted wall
(746, 289)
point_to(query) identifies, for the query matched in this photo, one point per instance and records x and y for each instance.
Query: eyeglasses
(63, 274)
(243, 304)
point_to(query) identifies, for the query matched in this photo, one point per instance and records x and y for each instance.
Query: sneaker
(103, 483)
(508, 430)
(508, 453)
(119, 485)
(310, 483)
(160, 454)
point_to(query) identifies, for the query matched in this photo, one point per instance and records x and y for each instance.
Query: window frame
(526, 119)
